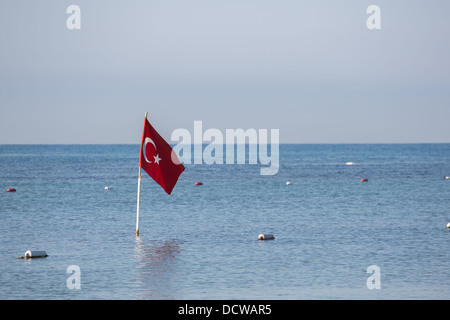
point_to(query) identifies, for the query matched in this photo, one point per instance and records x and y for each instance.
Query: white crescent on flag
(147, 140)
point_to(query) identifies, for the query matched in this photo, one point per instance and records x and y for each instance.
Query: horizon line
(280, 143)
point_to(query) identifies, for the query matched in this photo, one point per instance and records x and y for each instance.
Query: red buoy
(11, 190)
(364, 180)
(198, 183)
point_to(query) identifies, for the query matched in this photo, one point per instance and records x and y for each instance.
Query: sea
(336, 237)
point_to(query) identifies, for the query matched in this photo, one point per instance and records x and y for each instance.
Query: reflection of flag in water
(159, 160)
(155, 268)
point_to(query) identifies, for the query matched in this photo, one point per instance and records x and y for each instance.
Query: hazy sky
(311, 69)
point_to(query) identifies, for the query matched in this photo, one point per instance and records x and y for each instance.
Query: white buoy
(35, 254)
(106, 188)
(447, 178)
(448, 225)
(266, 236)
(288, 183)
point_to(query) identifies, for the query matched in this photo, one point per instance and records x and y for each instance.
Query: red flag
(158, 159)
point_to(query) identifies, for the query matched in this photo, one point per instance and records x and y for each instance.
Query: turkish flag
(158, 159)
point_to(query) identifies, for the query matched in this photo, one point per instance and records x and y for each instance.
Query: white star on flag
(157, 158)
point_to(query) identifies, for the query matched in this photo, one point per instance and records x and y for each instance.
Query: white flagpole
(138, 202)
(139, 191)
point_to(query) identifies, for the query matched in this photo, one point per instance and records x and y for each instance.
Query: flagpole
(138, 202)
(139, 189)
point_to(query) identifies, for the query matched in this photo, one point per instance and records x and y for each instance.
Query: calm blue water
(200, 242)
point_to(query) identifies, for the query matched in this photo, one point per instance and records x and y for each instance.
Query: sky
(311, 68)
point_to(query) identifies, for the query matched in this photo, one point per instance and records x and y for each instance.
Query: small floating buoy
(198, 183)
(34, 254)
(447, 178)
(11, 190)
(448, 225)
(106, 188)
(364, 180)
(266, 236)
(350, 163)
(288, 183)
